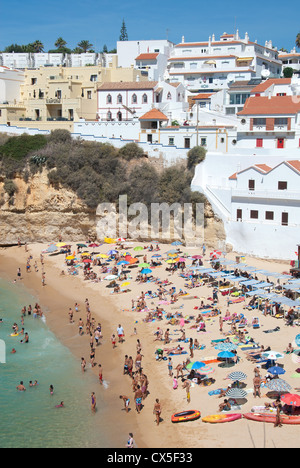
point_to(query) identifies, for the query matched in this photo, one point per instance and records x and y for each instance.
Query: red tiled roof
(233, 177)
(276, 105)
(147, 56)
(295, 165)
(272, 81)
(154, 114)
(263, 167)
(203, 96)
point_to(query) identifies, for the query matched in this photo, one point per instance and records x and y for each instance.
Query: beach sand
(61, 292)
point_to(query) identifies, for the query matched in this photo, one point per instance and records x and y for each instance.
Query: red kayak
(271, 418)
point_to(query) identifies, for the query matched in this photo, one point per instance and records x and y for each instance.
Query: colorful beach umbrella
(123, 262)
(176, 243)
(61, 244)
(144, 265)
(207, 370)
(138, 248)
(291, 399)
(127, 283)
(112, 252)
(81, 245)
(278, 385)
(70, 257)
(226, 346)
(272, 355)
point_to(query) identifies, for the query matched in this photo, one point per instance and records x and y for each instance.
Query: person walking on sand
(138, 395)
(170, 367)
(120, 332)
(187, 386)
(83, 364)
(113, 341)
(278, 421)
(93, 402)
(256, 385)
(80, 327)
(157, 411)
(100, 374)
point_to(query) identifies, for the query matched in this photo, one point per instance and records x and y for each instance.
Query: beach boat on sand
(222, 418)
(185, 416)
(271, 418)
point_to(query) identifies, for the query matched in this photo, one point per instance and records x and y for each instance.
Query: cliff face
(38, 212)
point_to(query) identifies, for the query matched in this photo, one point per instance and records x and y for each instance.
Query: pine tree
(123, 35)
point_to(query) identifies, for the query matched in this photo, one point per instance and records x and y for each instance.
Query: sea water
(30, 419)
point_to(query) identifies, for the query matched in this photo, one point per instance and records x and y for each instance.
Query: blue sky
(100, 21)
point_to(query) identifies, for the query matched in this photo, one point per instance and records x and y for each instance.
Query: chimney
(246, 38)
(182, 40)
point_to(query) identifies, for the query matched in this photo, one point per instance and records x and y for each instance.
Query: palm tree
(38, 46)
(60, 42)
(298, 40)
(84, 46)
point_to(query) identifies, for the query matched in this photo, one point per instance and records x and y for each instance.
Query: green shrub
(19, 147)
(10, 187)
(131, 151)
(195, 156)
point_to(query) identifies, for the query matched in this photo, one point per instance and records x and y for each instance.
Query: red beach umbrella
(291, 399)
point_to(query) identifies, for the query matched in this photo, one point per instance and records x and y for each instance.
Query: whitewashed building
(214, 64)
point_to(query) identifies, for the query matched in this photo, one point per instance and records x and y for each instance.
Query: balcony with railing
(266, 194)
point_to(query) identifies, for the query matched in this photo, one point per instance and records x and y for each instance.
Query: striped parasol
(237, 376)
(207, 370)
(278, 385)
(236, 393)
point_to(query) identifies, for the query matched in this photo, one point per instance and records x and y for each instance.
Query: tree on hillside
(195, 156)
(84, 46)
(298, 40)
(123, 32)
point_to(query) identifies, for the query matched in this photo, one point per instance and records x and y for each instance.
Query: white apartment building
(128, 100)
(151, 57)
(23, 60)
(10, 85)
(213, 65)
(290, 59)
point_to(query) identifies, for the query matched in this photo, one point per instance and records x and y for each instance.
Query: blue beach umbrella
(276, 370)
(123, 262)
(112, 252)
(176, 243)
(297, 340)
(226, 355)
(198, 365)
(146, 271)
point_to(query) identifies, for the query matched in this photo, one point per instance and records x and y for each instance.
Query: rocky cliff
(38, 212)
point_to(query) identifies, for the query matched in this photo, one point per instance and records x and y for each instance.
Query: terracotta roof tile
(154, 114)
(266, 84)
(147, 56)
(276, 105)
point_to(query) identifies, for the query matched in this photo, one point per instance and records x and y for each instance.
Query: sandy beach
(110, 309)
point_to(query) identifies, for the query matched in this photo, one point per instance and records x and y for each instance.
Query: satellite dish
(230, 77)
(265, 73)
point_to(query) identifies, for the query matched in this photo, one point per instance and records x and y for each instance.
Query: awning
(244, 59)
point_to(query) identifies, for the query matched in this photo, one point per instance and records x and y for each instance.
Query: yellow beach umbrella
(60, 244)
(172, 255)
(109, 240)
(85, 254)
(171, 261)
(127, 283)
(70, 257)
(102, 256)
